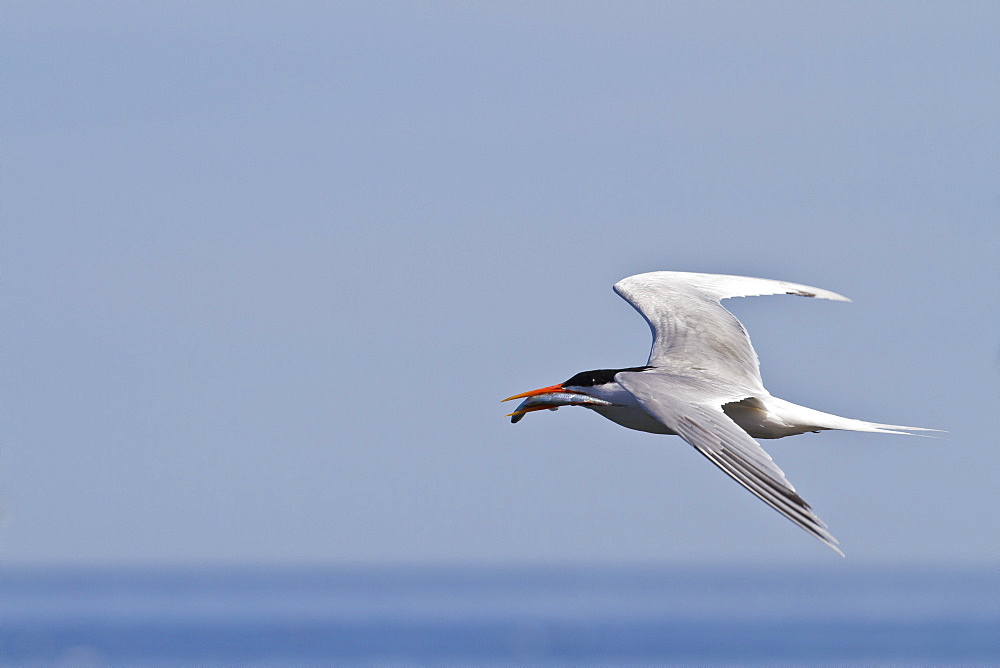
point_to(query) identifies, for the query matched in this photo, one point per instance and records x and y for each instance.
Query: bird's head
(577, 391)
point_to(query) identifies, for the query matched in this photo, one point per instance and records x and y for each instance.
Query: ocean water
(499, 616)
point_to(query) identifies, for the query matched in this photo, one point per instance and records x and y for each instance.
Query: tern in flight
(702, 383)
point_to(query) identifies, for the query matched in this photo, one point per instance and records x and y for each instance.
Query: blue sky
(269, 269)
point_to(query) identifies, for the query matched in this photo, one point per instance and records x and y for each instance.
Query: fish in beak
(551, 398)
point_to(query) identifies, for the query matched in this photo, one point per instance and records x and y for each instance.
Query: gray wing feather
(692, 333)
(693, 409)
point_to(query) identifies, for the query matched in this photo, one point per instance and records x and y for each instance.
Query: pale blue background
(268, 269)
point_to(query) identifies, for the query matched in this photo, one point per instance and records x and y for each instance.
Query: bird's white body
(702, 382)
(753, 416)
(759, 416)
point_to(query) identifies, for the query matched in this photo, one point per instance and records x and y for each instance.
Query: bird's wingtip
(819, 294)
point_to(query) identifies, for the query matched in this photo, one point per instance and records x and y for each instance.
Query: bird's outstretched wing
(693, 409)
(692, 333)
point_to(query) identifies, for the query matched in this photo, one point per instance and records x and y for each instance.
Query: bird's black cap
(598, 376)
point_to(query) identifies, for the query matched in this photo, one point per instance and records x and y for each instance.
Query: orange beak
(545, 390)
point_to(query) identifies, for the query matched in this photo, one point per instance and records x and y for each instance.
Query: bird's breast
(633, 417)
(626, 410)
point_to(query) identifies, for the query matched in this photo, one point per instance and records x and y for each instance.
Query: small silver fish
(552, 401)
